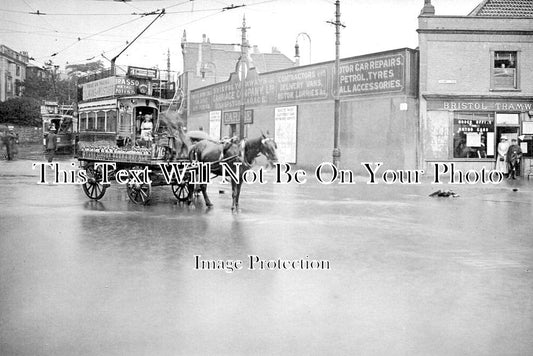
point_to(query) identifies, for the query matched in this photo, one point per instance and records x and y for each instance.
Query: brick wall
(28, 134)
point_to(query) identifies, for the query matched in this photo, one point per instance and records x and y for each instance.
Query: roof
(504, 8)
(225, 57)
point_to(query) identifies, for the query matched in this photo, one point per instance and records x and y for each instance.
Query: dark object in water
(444, 193)
(515, 189)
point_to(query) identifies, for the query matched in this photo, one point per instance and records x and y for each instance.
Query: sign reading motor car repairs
(383, 74)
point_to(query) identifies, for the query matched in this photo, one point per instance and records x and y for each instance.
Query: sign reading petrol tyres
(384, 74)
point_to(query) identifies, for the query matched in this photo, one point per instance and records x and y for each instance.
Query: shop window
(504, 70)
(473, 135)
(100, 121)
(111, 123)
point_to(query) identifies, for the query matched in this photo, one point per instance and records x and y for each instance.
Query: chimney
(204, 37)
(428, 9)
(183, 39)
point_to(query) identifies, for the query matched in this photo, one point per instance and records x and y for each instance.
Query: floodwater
(409, 274)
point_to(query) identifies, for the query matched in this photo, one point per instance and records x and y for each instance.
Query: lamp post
(297, 46)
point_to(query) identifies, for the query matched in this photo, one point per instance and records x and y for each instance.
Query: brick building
(476, 82)
(12, 72)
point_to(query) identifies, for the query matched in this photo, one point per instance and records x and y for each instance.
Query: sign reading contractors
(265, 89)
(384, 74)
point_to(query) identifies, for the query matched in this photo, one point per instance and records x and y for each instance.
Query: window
(83, 121)
(473, 135)
(91, 120)
(504, 70)
(18, 70)
(100, 121)
(111, 123)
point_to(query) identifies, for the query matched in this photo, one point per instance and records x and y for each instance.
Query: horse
(178, 142)
(232, 152)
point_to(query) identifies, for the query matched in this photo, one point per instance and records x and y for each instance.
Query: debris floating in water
(515, 189)
(444, 193)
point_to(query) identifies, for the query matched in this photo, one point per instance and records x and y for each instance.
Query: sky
(79, 31)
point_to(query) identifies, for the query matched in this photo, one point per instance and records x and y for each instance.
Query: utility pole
(243, 69)
(336, 91)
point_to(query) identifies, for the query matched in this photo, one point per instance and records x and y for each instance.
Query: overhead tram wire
(95, 34)
(44, 19)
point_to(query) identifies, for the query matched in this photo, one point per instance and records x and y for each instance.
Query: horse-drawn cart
(138, 168)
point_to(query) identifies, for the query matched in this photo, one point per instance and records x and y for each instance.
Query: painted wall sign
(371, 76)
(233, 117)
(286, 123)
(271, 88)
(378, 73)
(480, 105)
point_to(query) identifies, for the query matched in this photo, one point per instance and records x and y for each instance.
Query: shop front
(466, 130)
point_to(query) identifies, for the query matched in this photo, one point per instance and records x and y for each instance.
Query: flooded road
(409, 274)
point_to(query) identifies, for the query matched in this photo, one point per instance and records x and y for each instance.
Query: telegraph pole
(243, 69)
(336, 91)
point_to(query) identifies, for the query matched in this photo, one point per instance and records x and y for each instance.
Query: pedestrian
(7, 139)
(514, 154)
(501, 157)
(51, 144)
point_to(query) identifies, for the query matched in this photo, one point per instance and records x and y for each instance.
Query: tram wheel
(94, 188)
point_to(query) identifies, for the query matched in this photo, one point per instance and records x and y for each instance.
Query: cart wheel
(181, 191)
(139, 193)
(94, 188)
